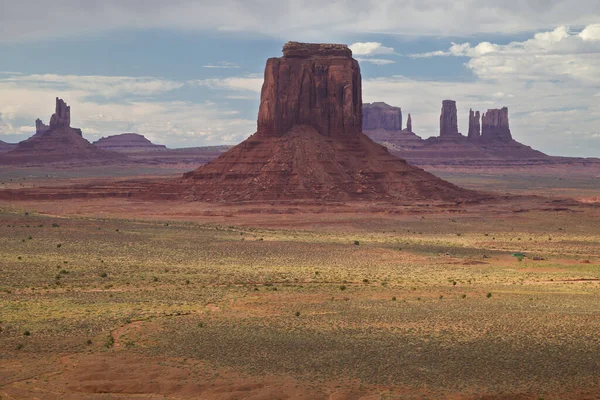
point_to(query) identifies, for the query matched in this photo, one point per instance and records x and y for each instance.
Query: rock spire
(62, 115)
(474, 125)
(409, 123)
(448, 119)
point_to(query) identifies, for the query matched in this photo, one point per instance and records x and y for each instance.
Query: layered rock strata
(309, 142)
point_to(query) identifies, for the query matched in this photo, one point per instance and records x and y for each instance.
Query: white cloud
(369, 49)
(105, 86)
(376, 61)
(293, 19)
(251, 83)
(560, 54)
(222, 65)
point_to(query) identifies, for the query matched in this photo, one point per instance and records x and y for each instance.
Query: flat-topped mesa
(380, 115)
(62, 115)
(474, 125)
(448, 119)
(409, 123)
(305, 50)
(40, 127)
(312, 84)
(494, 125)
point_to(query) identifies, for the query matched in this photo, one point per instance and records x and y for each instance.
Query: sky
(189, 72)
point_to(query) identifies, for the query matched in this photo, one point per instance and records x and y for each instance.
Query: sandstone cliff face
(474, 125)
(448, 119)
(494, 124)
(309, 143)
(409, 123)
(382, 116)
(312, 84)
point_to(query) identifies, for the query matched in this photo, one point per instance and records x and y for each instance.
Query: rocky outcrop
(309, 143)
(494, 125)
(40, 127)
(409, 123)
(381, 116)
(128, 142)
(59, 143)
(448, 120)
(474, 125)
(312, 84)
(62, 115)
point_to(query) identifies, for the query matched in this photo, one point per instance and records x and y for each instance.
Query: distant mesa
(381, 116)
(309, 142)
(128, 142)
(489, 141)
(383, 123)
(58, 143)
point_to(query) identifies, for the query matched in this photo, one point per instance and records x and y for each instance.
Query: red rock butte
(58, 143)
(309, 142)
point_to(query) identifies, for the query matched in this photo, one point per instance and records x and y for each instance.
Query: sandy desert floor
(131, 299)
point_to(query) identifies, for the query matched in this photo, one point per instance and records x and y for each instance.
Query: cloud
(102, 106)
(222, 65)
(292, 19)
(376, 61)
(369, 49)
(560, 54)
(250, 83)
(105, 86)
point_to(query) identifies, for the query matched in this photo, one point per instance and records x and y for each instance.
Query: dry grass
(269, 301)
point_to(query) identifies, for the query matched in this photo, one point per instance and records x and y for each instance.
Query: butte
(309, 143)
(58, 143)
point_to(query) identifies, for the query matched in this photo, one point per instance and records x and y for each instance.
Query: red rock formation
(409, 123)
(312, 84)
(309, 143)
(495, 125)
(59, 144)
(62, 115)
(6, 146)
(448, 119)
(474, 125)
(40, 127)
(381, 116)
(127, 142)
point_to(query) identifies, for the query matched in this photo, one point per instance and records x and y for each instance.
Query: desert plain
(117, 298)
